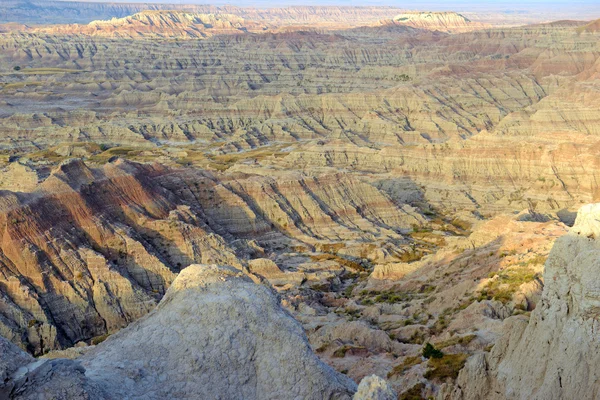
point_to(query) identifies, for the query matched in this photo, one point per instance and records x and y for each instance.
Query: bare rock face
(374, 388)
(553, 355)
(22, 378)
(18, 178)
(11, 358)
(215, 335)
(53, 380)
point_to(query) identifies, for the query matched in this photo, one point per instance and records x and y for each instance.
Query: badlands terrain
(303, 202)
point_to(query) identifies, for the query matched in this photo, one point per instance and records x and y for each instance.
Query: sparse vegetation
(462, 225)
(352, 314)
(342, 351)
(411, 255)
(445, 367)
(505, 283)
(414, 393)
(463, 340)
(99, 339)
(418, 337)
(401, 78)
(408, 363)
(347, 263)
(349, 289)
(388, 296)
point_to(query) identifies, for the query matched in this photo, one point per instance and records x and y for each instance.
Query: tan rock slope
(551, 356)
(215, 334)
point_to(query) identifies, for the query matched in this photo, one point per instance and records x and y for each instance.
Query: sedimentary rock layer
(91, 250)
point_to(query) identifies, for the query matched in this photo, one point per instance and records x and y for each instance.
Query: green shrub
(431, 352)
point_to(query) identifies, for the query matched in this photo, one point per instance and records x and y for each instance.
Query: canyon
(301, 202)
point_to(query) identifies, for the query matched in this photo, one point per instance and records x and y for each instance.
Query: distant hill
(163, 24)
(437, 21)
(61, 12)
(591, 27)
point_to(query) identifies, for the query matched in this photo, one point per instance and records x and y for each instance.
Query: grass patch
(429, 237)
(349, 289)
(352, 315)
(20, 85)
(99, 339)
(342, 351)
(332, 248)
(464, 226)
(442, 323)
(463, 340)
(507, 283)
(408, 363)
(130, 153)
(321, 287)
(537, 260)
(340, 260)
(47, 71)
(227, 160)
(411, 255)
(388, 296)
(321, 349)
(446, 367)
(414, 393)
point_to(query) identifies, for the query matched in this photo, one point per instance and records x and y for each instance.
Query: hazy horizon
(508, 6)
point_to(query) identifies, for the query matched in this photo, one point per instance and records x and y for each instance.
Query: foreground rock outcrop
(215, 334)
(374, 388)
(553, 355)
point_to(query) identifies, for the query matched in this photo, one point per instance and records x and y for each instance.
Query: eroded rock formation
(552, 355)
(92, 250)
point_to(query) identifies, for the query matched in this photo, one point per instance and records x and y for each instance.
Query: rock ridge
(552, 355)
